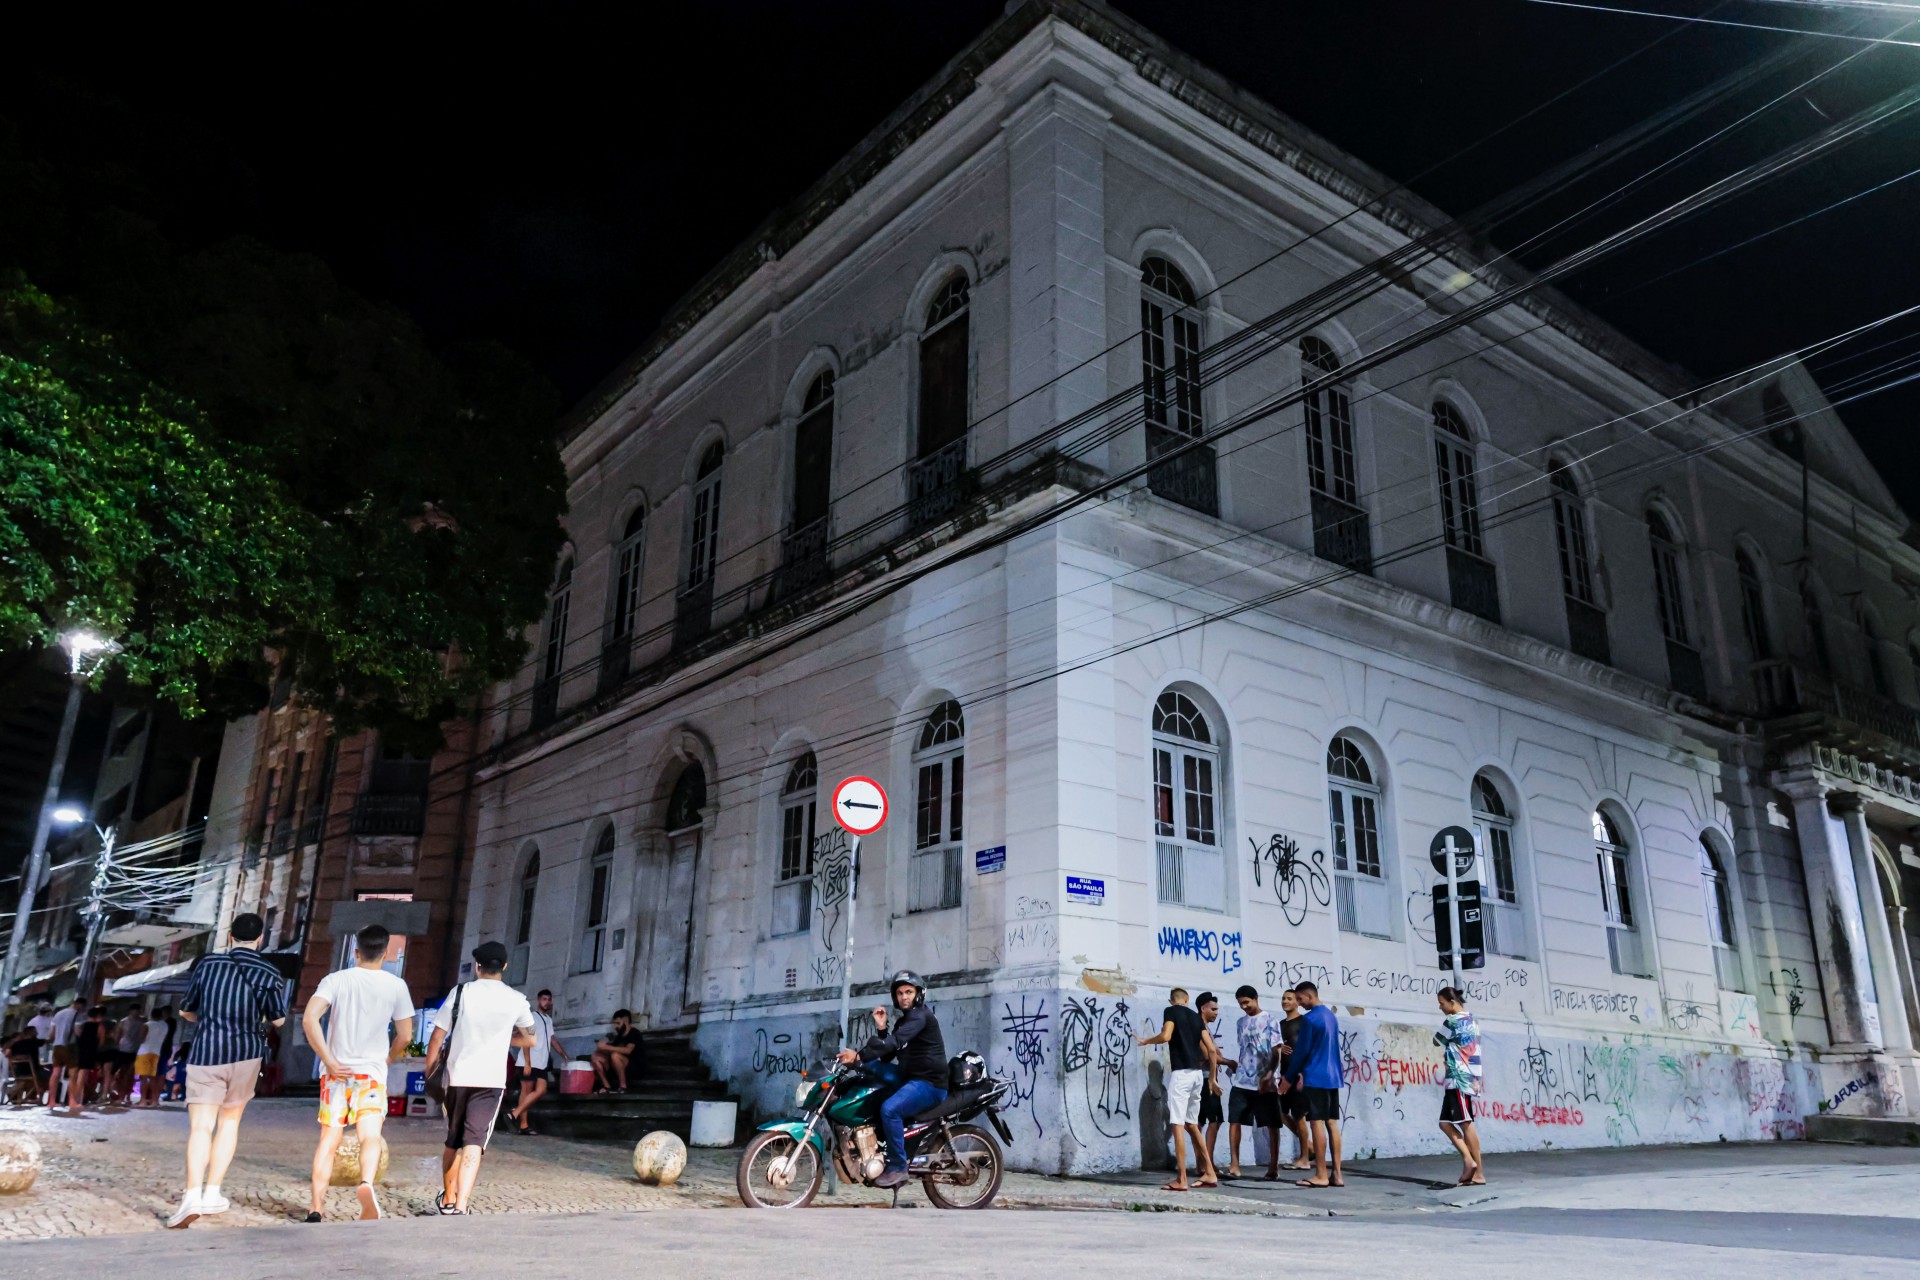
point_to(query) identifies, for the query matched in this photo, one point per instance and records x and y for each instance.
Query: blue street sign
(1087, 890)
(987, 861)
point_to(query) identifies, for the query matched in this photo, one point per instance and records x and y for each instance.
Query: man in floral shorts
(364, 1001)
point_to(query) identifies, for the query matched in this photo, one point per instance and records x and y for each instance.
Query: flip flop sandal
(1171, 1187)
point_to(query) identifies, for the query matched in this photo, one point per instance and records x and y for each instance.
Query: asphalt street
(842, 1242)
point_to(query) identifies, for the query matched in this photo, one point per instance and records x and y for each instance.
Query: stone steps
(1872, 1131)
(667, 1078)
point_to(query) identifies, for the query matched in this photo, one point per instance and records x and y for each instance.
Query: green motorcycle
(958, 1164)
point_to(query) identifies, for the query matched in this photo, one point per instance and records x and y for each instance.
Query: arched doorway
(665, 920)
(1900, 928)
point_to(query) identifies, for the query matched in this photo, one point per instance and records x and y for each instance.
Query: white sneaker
(213, 1202)
(187, 1213)
(369, 1203)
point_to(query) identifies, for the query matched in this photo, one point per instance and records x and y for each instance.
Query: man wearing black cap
(476, 1028)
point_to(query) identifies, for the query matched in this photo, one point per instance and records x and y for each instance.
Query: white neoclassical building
(1018, 467)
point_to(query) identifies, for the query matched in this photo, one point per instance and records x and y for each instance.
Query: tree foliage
(118, 515)
(401, 503)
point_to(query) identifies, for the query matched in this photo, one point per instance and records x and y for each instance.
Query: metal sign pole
(846, 963)
(1453, 915)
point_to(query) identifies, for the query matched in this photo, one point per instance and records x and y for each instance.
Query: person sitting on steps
(611, 1055)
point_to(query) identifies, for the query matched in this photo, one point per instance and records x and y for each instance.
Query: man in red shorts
(364, 1001)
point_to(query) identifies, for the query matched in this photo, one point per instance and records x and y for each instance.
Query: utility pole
(36, 868)
(96, 912)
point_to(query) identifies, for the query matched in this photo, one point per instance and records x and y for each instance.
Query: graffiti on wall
(776, 1054)
(1298, 881)
(832, 887)
(1026, 1032)
(1786, 984)
(1208, 945)
(1094, 1045)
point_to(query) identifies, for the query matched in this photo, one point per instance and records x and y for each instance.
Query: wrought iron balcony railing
(1587, 630)
(1190, 479)
(938, 484)
(378, 815)
(1340, 533)
(1473, 583)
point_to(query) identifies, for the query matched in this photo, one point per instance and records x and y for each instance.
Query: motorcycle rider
(915, 1045)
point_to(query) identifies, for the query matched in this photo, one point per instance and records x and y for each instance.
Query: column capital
(1846, 803)
(1802, 787)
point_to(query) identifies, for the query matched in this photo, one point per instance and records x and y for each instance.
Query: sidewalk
(120, 1172)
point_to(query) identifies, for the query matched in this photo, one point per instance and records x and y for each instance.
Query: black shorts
(1293, 1104)
(470, 1115)
(1250, 1106)
(1210, 1112)
(1456, 1108)
(1319, 1104)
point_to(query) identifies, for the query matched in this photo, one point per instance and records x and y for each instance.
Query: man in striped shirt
(233, 998)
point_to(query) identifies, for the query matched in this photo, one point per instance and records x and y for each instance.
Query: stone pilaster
(1833, 908)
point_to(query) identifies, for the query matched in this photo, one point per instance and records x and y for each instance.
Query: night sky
(556, 181)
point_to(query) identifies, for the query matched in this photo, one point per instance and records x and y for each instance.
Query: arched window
(1506, 934)
(1753, 607)
(553, 656)
(1586, 621)
(526, 894)
(1667, 595)
(1360, 871)
(813, 454)
(705, 543)
(1616, 895)
(1783, 424)
(943, 368)
(628, 557)
(1685, 671)
(593, 938)
(1170, 378)
(803, 550)
(937, 478)
(1876, 658)
(1716, 891)
(1816, 624)
(693, 612)
(559, 606)
(1470, 575)
(1333, 467)
(1186, 810)
(939, 763)
(689, 797)
(793, 885)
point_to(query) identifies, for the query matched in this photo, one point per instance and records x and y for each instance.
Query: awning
(167, 979)
(156, 935)
(45, 975)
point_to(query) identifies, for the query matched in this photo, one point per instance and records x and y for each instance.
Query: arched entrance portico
(666, 883)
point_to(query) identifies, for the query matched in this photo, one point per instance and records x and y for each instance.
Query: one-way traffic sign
(860, 805)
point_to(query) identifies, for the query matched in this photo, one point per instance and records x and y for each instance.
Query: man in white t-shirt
(536, 1062)
(62, 1037)
(364, 1002)
(477, 1027)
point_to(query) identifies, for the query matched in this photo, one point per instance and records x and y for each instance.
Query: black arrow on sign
(857, 804)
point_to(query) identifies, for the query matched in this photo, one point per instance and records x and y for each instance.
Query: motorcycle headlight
(801, 1090)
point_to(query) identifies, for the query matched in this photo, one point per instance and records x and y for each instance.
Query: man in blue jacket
(1314, 1068)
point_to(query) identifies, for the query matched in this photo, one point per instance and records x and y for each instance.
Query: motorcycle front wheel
(965, 1171)
(779, 1171)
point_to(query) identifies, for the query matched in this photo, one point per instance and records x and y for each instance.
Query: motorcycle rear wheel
(753, 1179)
(975, 1150)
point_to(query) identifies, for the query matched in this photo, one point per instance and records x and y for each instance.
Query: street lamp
(85, 650)
(68, 816)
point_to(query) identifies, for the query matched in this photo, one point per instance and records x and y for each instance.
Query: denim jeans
(909, 1099)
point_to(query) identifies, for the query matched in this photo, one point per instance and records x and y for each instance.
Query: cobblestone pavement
(117, 1172)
